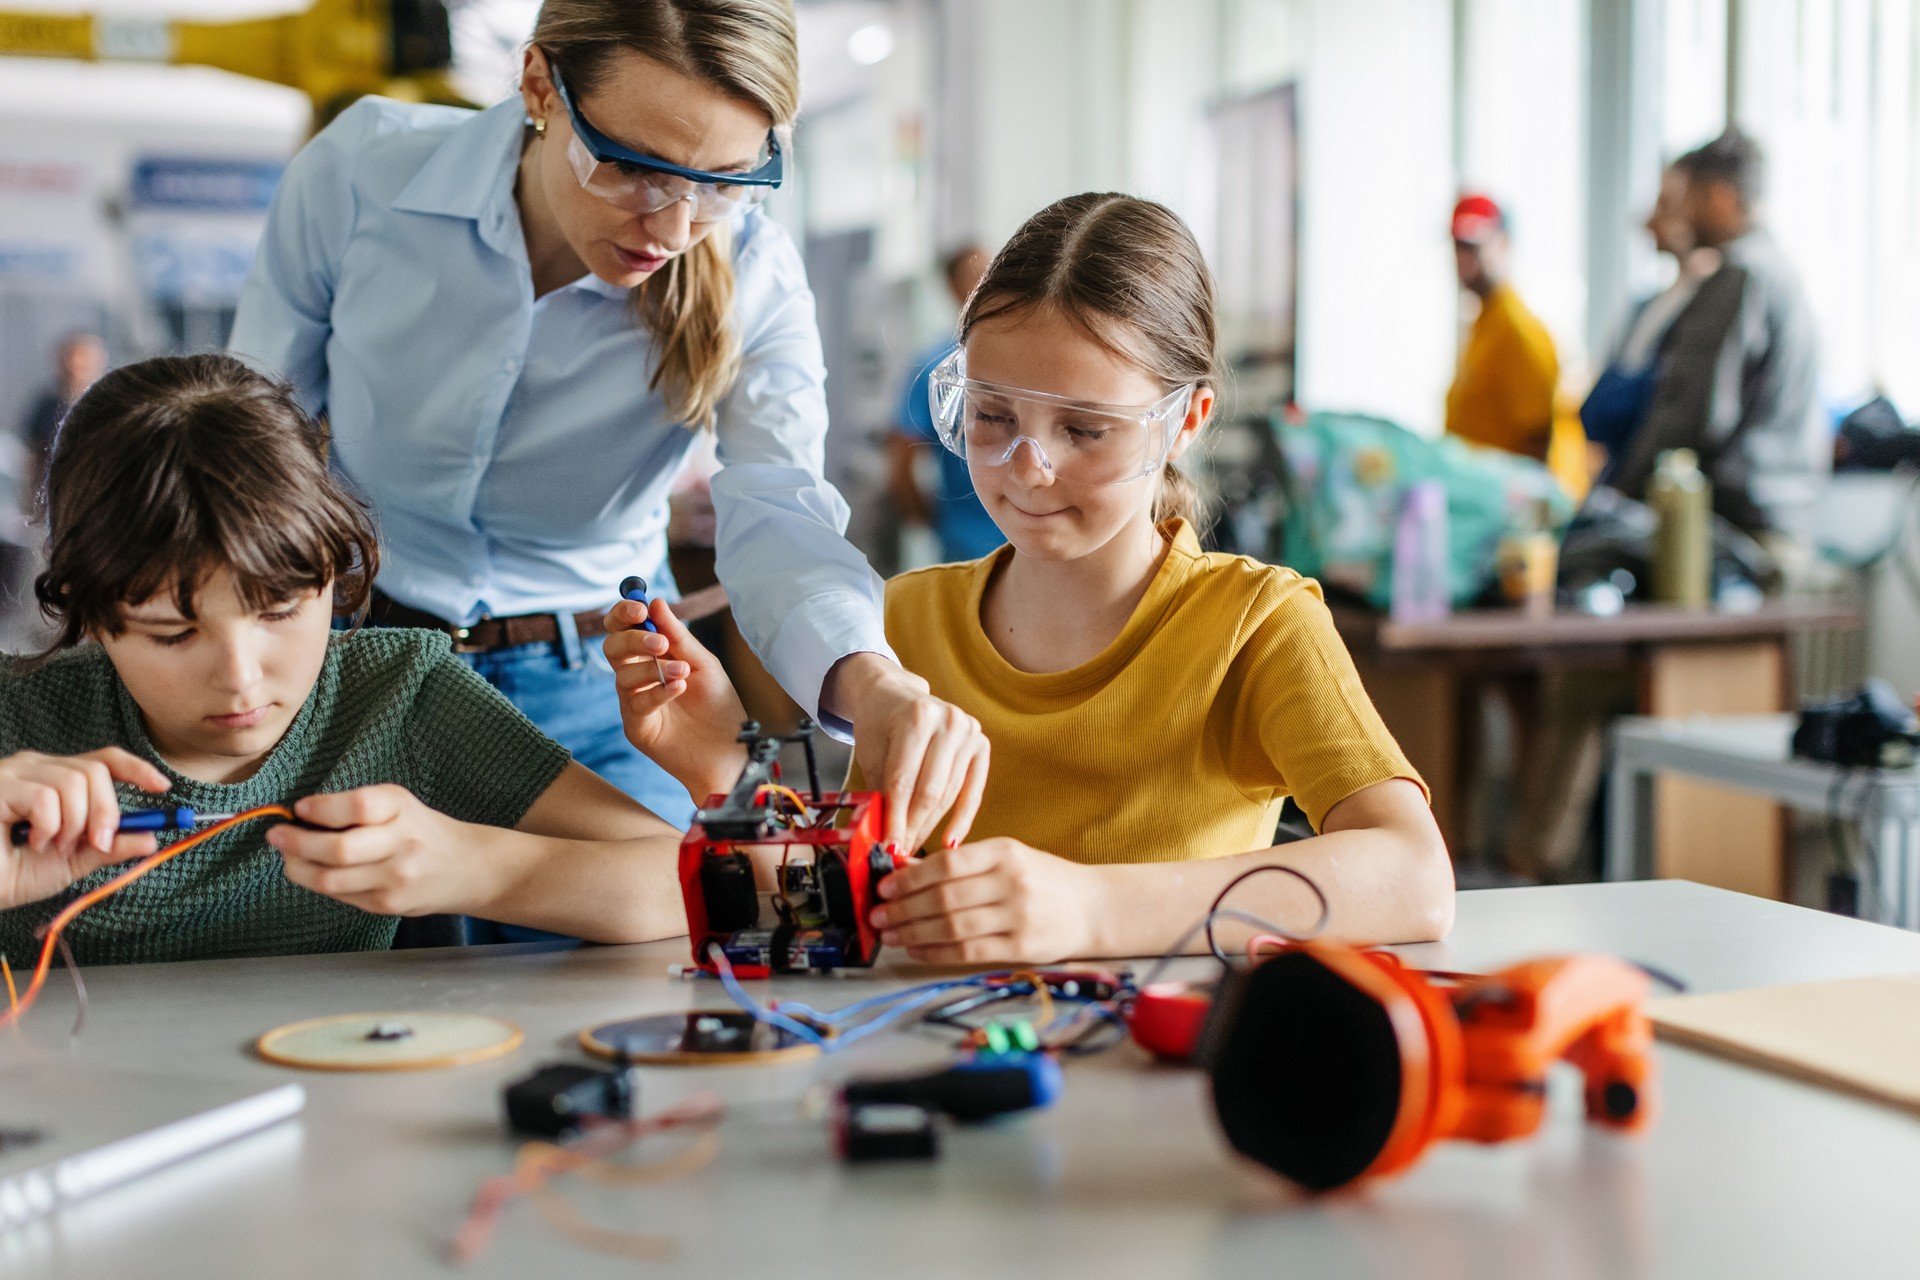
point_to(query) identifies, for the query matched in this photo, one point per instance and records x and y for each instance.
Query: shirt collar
(470, 174)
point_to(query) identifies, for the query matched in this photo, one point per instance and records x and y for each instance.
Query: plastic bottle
(1422, 590)
(1683, 541)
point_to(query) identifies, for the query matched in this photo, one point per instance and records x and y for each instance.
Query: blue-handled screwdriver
(174, 819)
(635, 588)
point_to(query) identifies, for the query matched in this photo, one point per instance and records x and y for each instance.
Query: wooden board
(407, 1041)
(1714, 835)
(1860, 1035)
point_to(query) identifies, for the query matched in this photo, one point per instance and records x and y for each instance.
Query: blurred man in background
(1618, 403)
(1503, 393)
(961, 524)
(78, 362)
(1737, 371)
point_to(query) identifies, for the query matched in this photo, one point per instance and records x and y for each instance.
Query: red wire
(113, 886)
(596, 1144)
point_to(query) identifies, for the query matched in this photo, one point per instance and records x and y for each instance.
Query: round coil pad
(388, 1041)
(1309, 1079)
(700, 1038)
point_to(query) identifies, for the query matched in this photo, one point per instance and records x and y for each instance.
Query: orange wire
(788, 794)
(13, 996)
(113, 886)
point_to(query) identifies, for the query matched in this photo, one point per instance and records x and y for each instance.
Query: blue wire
(861, 1006)
(899, 1004)
(760, 1014)
(923, 998)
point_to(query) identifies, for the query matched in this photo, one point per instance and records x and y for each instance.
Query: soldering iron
(178, 818)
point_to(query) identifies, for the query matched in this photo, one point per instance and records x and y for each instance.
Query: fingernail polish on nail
(952, 842)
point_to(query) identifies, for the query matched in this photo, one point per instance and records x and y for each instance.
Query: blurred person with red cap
(1504, 390)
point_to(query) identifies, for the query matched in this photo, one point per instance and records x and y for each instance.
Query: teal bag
(1347, 477)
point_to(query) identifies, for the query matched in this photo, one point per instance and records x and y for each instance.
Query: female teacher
(516, 321)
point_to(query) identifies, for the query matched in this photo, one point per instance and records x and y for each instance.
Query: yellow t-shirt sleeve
(1304, 725)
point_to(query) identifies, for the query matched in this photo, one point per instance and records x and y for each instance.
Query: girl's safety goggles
(1076, 440)
(645, 184)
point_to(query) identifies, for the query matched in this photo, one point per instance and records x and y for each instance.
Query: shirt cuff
(812, 639)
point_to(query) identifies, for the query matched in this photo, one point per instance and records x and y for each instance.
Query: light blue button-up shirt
(511, 449)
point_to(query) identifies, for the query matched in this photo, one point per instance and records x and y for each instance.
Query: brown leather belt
(487, 634)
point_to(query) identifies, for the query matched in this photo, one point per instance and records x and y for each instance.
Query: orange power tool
(1331, 1065)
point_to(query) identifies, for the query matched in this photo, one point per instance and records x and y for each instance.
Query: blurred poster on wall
(49, 231)
(193, 224)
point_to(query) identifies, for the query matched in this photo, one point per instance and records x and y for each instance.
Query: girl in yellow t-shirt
(1149, 705)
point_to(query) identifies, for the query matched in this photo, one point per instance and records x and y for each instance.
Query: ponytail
(687, 309)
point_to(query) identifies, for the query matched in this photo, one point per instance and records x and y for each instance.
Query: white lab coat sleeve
(803, 595)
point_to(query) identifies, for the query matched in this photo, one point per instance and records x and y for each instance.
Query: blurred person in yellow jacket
(1505, 390)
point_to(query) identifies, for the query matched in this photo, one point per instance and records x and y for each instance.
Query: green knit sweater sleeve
(471, 753)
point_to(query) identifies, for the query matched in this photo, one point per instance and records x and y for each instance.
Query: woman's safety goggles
(1076, 440)
(644, 184)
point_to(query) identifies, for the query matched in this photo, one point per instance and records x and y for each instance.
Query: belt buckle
(463, 641)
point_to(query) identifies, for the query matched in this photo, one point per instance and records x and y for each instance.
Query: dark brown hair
(1127, 272)
(1732, 158)
(171, 469)
(750, 51)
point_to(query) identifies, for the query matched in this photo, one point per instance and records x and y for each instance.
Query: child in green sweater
(199, 550)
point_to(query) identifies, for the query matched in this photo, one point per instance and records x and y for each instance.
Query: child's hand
(993, 902)
(687, 726)
(385, 852)
(74, 814)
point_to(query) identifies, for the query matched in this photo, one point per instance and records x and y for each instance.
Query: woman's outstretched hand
(926, 756)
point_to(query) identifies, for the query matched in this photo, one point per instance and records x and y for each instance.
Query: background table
(1682, 661)
(1746, 1174)
(1755, 753)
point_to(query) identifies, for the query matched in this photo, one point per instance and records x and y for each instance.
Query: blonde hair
(1127, 272)
(748, 50)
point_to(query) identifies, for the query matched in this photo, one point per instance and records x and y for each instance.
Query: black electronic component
(976, 1089)
(886, 1131)
(836, 887)
(732, 900)
(558, 1098)
(13, 1139)
(1871, 729)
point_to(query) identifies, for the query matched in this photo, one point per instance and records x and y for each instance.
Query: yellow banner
(46, 35)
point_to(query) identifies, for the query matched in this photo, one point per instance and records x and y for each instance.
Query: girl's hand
(926, 756)
(994, 902)
(74, 815)
(689, 725)
(384, 852)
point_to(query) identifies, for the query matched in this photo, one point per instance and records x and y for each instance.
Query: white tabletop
(1746, 1174)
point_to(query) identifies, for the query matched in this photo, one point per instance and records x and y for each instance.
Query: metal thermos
(1682, 499)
